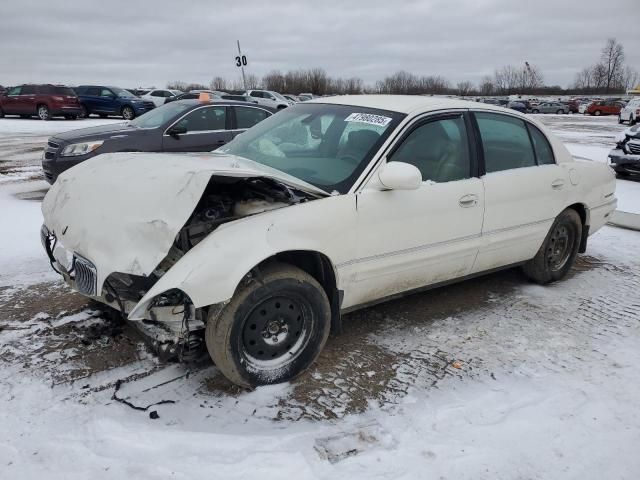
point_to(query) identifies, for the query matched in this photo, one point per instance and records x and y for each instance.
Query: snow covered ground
(493, 378)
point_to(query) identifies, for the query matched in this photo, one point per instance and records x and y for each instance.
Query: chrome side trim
(438, 244)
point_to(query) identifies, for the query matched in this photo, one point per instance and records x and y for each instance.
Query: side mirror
(176, 131)
(398, 176)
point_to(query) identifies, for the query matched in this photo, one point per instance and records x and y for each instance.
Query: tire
(620, 121)
(560, 111)
(249, 339)
(597, 113)
(535, 110)
(128, 113)
(558, 251)
(1, 113)
(632, 121)
(43, 112)
(84, 112)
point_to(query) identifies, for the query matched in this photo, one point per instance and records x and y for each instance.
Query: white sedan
(333, 204)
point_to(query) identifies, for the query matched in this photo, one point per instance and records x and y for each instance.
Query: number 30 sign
(241, 61)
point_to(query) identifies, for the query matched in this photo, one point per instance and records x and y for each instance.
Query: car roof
(195, 102)
(404, 103)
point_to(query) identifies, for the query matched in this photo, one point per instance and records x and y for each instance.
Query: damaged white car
(258, 248)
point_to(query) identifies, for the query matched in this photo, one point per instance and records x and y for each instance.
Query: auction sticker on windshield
(368, 118)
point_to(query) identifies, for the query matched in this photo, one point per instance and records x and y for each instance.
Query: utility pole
(241, 61)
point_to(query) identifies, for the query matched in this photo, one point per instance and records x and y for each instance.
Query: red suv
(603, 107)
(45, 101)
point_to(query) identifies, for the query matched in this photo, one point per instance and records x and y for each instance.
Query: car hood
(98, 133)
(122, 211)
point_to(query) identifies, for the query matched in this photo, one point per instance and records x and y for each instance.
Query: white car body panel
(123, 211)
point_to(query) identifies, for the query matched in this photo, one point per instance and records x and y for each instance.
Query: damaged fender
(210, 272)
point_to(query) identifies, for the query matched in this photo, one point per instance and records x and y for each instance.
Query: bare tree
(487, 87)
(612, 59)
(177, 85)
(218, 83)
(464, 88)
(630, 78)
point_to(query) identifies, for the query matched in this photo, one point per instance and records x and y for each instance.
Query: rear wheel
(1, 113)
(632, 121)
(535, 110)
(272, 330)
(84, 112)
(597, 113)
(620, 121)
(128, 113)
(560, 111)
(558, 251)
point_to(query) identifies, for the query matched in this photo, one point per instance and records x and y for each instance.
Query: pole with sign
(241, 61)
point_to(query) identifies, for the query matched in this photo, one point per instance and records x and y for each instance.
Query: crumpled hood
(122, 211)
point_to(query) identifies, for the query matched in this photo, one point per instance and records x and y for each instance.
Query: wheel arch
(320, 267)
(583, 212)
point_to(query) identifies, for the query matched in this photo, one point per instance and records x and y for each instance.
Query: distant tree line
(608, 76)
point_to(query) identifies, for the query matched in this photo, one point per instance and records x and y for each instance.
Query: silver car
(550, 107)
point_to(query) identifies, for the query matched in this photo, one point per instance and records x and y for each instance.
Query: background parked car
(158, 96)
(106, 101)
(183, 126)
(2, 89)
(269, 98)
(550, 107)
(194, 95)
(45, 101)
(573, 105)
(518, 106)
(602, 107)
(290, 97)
(631, 112)
(625, 157)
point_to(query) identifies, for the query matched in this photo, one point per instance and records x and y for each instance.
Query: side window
(247, 117)
(505, 142)
(14, 91)
(157, 93)
(439, 149)
(541, 145)
(28, 90)
(105, 92)
(93, 91)
(204, 119)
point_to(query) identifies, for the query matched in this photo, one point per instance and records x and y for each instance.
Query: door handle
(467, 201)
(557, 184)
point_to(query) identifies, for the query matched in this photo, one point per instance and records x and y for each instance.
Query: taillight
(637, 111)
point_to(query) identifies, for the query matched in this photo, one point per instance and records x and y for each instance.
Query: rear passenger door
(246, 117)
(28, 99)
(207, 128)
(11, 103)
(524, 189)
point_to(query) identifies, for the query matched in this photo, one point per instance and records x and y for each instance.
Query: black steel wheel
(558, 251)
(272, 330)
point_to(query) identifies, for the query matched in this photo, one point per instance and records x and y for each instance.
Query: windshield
(325, 145)
(159, 116)
(278, 96)
(122, 93)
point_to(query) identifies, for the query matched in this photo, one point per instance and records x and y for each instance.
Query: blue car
(105, 101)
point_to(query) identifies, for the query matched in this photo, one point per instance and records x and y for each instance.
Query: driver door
(412, 238)
(207, 128)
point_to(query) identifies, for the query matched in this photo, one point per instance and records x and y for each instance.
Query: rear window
(63, 91)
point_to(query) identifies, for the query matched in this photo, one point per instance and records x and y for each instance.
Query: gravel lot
(490, 378)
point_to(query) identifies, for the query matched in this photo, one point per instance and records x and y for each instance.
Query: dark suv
(106, 101)
(45, 101)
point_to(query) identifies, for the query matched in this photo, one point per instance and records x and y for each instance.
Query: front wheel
(558, 251)
(597, 113)
(560, 112)
(43, 112)
(272, 330)
(620, 121)
(128, 113)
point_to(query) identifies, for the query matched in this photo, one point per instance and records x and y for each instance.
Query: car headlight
(76, 149)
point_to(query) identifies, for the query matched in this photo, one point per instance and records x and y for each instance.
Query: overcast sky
(138, 43)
